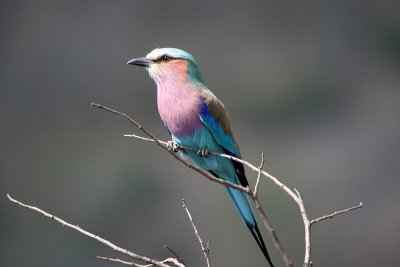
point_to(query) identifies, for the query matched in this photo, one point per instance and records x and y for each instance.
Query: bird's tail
(258, 237)
(243, 207)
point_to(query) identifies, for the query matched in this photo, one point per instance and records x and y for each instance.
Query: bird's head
(169, 64)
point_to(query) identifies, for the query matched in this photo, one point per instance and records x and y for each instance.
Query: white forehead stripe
(172, 52)
(155, 54)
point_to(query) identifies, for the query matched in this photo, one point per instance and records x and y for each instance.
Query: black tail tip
(260, 242)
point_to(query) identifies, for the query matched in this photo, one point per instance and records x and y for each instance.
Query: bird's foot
(203, 152)
(173, 146)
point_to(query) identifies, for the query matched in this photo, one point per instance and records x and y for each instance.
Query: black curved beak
(140, 61)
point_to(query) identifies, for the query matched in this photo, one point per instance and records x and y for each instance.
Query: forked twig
(135, 256)
(162, 144)
(295, 195)
(206, 250)
(252, 193)
(255, 191)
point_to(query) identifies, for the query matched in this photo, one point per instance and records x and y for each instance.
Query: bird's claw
(203, 152)
(172, 146)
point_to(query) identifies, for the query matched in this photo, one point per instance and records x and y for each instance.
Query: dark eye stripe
(164, 58)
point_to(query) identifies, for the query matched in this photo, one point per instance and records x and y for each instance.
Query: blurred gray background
(314, 85)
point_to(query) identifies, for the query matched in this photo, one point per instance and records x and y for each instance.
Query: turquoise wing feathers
(216, 119)
(195, 117)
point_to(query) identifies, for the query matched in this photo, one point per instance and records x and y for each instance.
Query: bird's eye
(166, 58)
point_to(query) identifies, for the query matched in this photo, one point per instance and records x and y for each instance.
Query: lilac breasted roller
(196, 118)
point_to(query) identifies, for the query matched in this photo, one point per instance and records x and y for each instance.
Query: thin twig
(307, 237)
(258, 175)
(294, 195)
(330, 216)
(254, 197)
(253, 194)
(249, 165)
(168, 260)
(161, 144)
(206, 251)
(246, 190)
(96, 237)
(120, 261)
(175, 254)
(272, 233)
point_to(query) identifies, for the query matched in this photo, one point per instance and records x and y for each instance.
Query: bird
(196, 118)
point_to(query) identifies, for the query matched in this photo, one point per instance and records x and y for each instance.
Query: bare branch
(175, 254)
(295, 195)
(272, 233)
(330, 216)
(306, 222)
(174, 261)
(168, 260)
(135, 256)
(162, 145)
(258, 175)
(206, 251)
(144, 138)
(120, 261)
(249, 165)
(253, 194)
(246, 190)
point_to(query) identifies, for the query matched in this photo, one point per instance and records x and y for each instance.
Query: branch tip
(133, 255)
(330, 216)
(293, 193)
